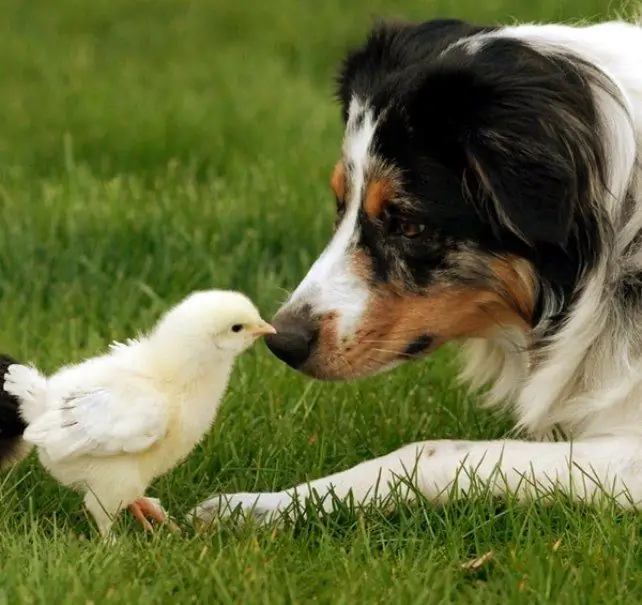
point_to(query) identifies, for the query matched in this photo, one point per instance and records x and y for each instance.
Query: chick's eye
(237, 328)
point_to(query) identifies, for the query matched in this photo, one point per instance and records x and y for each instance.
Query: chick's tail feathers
(12, 424)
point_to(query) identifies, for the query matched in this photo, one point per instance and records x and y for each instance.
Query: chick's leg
(103, 512)
(105, 499)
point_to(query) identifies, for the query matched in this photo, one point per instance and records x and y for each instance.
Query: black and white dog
(489, 191)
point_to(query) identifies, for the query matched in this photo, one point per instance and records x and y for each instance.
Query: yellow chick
(112, 424)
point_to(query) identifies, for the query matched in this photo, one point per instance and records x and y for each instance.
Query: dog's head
(466, 185)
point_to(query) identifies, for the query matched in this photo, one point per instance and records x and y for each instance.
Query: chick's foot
(144, 509)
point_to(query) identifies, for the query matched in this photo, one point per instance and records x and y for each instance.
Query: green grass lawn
(149, 148)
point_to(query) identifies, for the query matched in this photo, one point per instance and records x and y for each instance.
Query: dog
(488, 191)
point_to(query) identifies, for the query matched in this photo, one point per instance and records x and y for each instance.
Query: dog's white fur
(589, 383)
(331, 285)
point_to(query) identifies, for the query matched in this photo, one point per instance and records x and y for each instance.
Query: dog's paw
(263, 508)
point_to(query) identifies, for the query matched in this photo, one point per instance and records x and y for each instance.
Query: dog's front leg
(441, 470)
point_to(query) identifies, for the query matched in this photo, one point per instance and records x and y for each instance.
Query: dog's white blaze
(357, 147)
(331, 284)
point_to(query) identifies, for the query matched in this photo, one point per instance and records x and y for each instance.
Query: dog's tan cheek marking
(338, 182)
(328, 336)
(393, 321)
(451, 313)
(518, 279)
(373, 343)
(379, 193)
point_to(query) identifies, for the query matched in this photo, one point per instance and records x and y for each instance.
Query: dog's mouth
(315, 350)
(355, 360)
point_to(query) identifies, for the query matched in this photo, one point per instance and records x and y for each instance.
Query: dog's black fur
(12, 426)
(498, 150)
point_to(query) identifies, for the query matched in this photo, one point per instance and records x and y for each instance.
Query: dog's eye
(411, 230)
(405, 227)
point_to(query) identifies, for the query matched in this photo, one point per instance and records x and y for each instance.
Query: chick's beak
(263, 329)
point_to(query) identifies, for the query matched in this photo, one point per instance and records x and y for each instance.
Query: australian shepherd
(488, 191)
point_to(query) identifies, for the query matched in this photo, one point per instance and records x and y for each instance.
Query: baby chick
(112, 424)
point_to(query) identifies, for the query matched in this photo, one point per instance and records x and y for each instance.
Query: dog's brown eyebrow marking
(338, 181)
(379, 193)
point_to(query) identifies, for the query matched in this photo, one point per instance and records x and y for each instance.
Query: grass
(149, 148)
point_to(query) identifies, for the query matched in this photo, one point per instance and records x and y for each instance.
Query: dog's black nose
(296, 335)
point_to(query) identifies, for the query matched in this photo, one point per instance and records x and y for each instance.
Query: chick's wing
(100, 422)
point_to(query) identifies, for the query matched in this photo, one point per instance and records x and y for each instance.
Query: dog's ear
(530, 136)
(528, 178)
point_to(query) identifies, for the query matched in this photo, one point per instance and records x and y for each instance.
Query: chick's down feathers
(110, 425)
